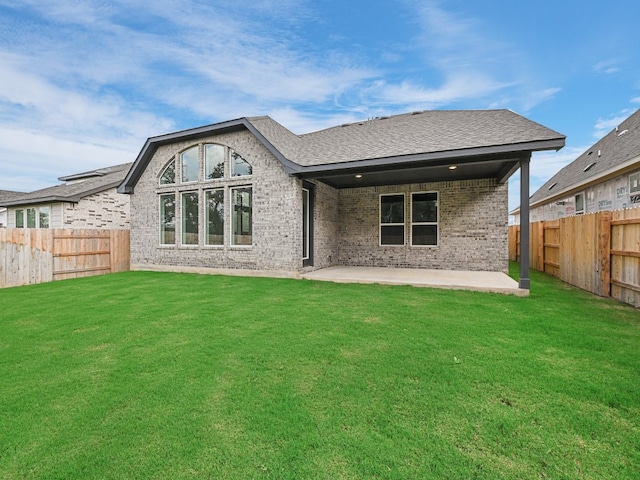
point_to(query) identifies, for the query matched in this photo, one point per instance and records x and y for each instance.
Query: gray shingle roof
(8, 195)
(400, 142)
(87, 183)
(616, 149)
(406, 134)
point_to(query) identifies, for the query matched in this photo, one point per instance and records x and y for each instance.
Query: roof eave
(436, 158)
(61, 198)
(608, 174)
(127, 186)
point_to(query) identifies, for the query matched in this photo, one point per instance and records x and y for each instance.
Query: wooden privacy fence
(29, 255)
(599, 252)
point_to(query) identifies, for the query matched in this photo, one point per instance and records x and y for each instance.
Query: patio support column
(525, 281)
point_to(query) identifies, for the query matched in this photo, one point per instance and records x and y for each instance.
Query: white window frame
(175, 217)
(24, 218)
(175, 173)
(206, 217)
(634, 183)
(199, 158)
(182, 219)
(231, 219)
(231, 164)
(225, 157)
(403, 224)
(436, 223)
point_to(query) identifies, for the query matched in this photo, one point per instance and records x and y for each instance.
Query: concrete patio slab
(495, 282)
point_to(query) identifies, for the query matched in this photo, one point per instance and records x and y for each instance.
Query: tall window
(215, 217)
(392, 219)
(424, 218)
(43, 217)
(213, 161)
(31, 218)
(19, 218)
(207, 171)
(190, 218)
(190, 165)
(579, 199)
(241, 216)
(168, 219)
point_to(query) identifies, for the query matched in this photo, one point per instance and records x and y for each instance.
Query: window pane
(213, 161)
(167, 219)
(392, 209)
(215, 217)
(169, 175)
(190, 218)
(424, 207)
(190, 165)
(44, 217)
(241, 216)
(239, 166)
(392, 235)
(19, 218)
(580, 202)
(31, 218)
(424, 235)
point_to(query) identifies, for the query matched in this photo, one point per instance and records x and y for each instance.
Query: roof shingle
(618, 147)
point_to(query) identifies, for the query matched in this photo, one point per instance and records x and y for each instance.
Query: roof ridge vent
(623, 132)
(552, 185)
(589, 167)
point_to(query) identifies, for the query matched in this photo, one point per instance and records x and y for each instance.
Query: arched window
(190, 165)
(239, 166)
(213, 161)
(168, 175)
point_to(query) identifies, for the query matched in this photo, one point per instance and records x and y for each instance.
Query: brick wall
(277, 213)
(473, 227)
(107, 209)
(473, 220)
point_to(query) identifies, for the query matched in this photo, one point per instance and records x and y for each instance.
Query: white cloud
(544, 165)
(607, 67)
(635, 100)
(604, 126)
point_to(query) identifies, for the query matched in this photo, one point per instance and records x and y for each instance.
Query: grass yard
(179, 376)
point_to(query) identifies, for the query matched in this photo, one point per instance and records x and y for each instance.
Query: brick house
(424, 190)
(605, 177)
(84, 200)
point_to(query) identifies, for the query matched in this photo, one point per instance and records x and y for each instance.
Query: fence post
(604, 244)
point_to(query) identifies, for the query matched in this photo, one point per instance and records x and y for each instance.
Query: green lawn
(160, 375)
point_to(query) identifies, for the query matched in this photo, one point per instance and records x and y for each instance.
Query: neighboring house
(85, 200)
(6, 195)
(605, 177)
(424, 190)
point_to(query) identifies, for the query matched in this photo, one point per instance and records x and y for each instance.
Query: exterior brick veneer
(473, 227)
(107, 209)
(473, 220)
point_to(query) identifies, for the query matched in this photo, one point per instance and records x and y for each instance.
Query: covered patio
(494, 282)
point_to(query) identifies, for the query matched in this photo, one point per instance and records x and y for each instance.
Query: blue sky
(84, 83)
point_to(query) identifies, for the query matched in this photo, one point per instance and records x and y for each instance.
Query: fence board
(597, 252)
(29, 256)
(625, 269)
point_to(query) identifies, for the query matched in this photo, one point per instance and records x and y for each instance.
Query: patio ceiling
(360, 174)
